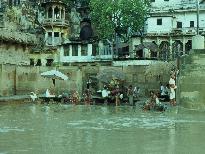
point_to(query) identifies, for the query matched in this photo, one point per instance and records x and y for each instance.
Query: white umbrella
(54, 74)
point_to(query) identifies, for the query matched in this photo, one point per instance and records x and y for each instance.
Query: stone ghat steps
(14, 98)
(191, 81)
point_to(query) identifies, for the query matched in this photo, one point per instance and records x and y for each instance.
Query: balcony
(186, 30)
(56, 22)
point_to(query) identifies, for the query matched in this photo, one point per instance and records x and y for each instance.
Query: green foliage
(69, 3)
(115, 16)
(12, 15)
(110, 16)
(160, 68)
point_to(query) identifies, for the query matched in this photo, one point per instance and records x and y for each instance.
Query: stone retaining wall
(21, 80)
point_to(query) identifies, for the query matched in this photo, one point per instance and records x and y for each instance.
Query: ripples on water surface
(62, 129)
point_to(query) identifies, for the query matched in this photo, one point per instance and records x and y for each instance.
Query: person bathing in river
(136, 92)
(105, 94)
(158, 106)
(87, 97)
(130, 95)
(75, 97)
(117, 95)
(153, 103)
(164, 92)
(149, 104)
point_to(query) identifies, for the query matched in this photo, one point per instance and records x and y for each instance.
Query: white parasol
(54, 74)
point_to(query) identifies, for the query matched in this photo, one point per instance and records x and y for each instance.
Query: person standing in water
(130, 95)
(172, 84)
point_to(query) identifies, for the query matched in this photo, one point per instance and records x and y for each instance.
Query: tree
(117, 16)
(76, 3)
(111, 17)
(160, 68)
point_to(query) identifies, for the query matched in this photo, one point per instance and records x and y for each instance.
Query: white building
(171, 25)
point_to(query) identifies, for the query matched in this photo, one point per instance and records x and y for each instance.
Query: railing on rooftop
(62, 22)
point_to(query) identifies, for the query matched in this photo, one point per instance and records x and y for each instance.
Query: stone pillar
(46, 37)
(53, 16)
(89, 49)
(46, 13)
(64, 14)
(60, 13)
(184, 44)
(52, 38)
(79, 50)
(101, 46)
(158, 43)
(170, 46)
(61, 54)
(70, 50)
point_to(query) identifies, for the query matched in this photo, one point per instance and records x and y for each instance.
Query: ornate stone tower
(55, 22)
(86, 32)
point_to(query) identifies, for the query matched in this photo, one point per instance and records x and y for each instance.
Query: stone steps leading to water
(191, 81)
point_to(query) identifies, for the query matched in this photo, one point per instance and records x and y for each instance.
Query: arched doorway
(164, 50)
(188, 46)
(56, 13)
(154, 53)
(177, 48)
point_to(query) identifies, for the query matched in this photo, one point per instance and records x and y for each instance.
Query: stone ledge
(19, 37)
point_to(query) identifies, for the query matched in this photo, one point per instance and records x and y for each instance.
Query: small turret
(55, 22)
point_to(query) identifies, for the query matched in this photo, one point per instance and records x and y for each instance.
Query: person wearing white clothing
(172, 90)
(48, 94)
(105, 94)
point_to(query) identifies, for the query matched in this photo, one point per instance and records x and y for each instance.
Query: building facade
(171, 25)
(68, 32)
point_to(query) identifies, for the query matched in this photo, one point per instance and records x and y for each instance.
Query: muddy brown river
(69, 129)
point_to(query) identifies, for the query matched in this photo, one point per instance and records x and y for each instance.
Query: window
(31, 62)
(74, 50)
(49, 62)
(62, 13)
(49, 39)
(66, 50)
(159, 21)
(56, 34)
(84, 50)
(57, 38)
(50, 11)
(166, 0)
(95, 50)
(38, 62)
(191, 23)
(56, 13)
(179, 24)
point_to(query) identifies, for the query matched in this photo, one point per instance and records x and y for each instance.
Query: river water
(70, 129)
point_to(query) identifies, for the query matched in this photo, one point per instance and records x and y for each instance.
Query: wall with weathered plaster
(8, 79)
(14, 54)
(24, 79)
(29, 79)
(192, 80)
